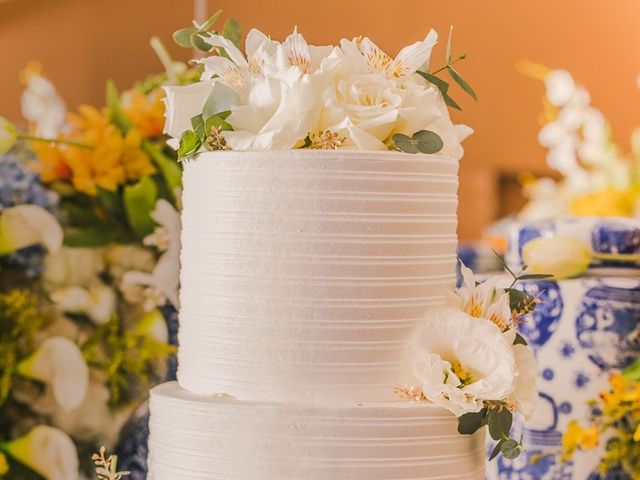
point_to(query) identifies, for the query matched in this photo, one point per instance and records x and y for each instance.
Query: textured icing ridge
(195, 437)
(304, 272)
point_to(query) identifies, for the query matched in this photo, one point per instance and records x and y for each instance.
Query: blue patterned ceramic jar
(582, 329)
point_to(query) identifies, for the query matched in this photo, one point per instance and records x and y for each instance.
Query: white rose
(183, 102)
(58, 362)
(47, 451)
(462, 361)
(365, 106)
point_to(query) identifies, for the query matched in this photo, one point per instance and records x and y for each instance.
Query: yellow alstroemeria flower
(578, 437)
(605, 203)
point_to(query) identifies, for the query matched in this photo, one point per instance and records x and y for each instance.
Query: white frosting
(304, 271)
(198, 438)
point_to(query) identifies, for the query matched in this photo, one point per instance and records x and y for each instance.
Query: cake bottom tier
(195, 437)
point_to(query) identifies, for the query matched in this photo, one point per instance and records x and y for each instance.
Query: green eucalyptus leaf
(496, 450)
(183, 36)
(499, 422)
(139, 201)
(198, 42)
(221, 99)
(197, 122)
(470, 423)
(189, 144)
(428, 141)
(511, 449)
(632, 372)
(462, 82)
(210, 21)
(405, 143)
(520, 340)
(424, 141)
(231, 31)
(116, 115)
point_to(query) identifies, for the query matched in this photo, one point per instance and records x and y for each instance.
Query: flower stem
(56, 140)
(462, 56)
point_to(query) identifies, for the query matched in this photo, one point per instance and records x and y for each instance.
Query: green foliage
(128, 359)
(116, 115)
(499, 419)
(139, 201)
(231, 30)
(20, 320)
(212, 121)
(167, 166)
(424, 141)
(443, 85)
(194, 36)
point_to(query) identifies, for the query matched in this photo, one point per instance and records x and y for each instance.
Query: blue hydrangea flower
(19, 186)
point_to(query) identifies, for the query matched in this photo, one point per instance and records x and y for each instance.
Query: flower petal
(230, 49)
(27, 225)
(411, 58)
(183, 102)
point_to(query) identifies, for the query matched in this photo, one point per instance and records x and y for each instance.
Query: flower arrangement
(469, 359)
(284, 95)
(597, 178)
(617, 422)
(89, 245)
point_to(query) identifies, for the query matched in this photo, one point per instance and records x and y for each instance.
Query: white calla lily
(26, 225)
(46, 450)
(58, 362)
(73, 267)
(97, 301)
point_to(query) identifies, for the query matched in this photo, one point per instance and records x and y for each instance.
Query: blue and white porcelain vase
(582, 329)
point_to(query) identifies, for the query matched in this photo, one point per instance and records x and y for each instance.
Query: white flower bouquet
(284, 95)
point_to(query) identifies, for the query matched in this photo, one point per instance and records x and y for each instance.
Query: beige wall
(83, 42)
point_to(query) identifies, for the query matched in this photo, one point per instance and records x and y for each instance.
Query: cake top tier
(286, 95)
(304, 272)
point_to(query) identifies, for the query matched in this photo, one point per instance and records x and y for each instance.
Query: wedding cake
(310, 255)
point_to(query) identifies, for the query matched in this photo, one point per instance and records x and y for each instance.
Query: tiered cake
(304, 273)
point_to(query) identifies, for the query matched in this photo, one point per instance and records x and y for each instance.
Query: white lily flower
(42, 106)
(363, 52)
(474, 298)
(46, 450)
(462, 361)
(26, 225)
(58, 362)
(156, 287)
(98, 301)
(183, 102)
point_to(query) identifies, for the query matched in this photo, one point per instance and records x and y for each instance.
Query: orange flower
(146, 112)
(112, 161)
